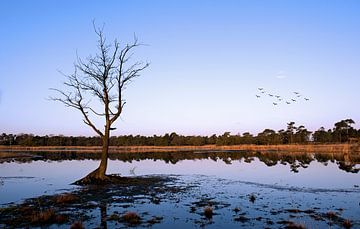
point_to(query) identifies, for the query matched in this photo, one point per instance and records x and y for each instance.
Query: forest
(342, 132)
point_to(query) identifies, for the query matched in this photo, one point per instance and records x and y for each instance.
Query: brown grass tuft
(61, 219)
(26, 210)
(65, 198)
(331, 215)
(43, 217)
(208, 212)
(131, 218)
(293, 225)
(347, 223)
(77, 225)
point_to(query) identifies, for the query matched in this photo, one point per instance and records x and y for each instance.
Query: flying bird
(271, 95)
(263, 92)
(306, 99)
(293, 100)
(277, 96)
(295, 92)
(275, 104)
(260, 88)
(279, 99)
(258, 96)
(287, 102)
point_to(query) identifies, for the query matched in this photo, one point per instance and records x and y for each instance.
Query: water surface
(225, 180)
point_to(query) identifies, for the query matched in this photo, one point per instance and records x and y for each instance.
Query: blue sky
(207, 60)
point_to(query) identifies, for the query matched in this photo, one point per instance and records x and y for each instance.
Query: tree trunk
(98, 176)
(104, 156)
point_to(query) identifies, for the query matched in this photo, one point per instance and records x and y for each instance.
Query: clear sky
(207, 60)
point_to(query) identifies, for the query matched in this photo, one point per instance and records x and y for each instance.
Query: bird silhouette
(277, 96)
(260, 88)
(263, 92)
(279, 99)
(293, 100)
(296, 93)
(287, 102)
(275, 104)
(306, 99)
(258, 96)
(271, 95)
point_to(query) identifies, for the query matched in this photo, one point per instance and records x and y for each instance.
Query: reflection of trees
(346, 161)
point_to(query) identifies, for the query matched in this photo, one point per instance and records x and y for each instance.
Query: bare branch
(103, 76)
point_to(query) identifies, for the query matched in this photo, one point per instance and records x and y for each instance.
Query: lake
(249, 189)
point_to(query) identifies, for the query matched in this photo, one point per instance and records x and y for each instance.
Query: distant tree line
(342, 132)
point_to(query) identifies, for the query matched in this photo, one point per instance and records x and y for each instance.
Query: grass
(347, 223)
(208, 212)
(77, 225)
(65, 198)
(131, 218)
(292, 225)
(43, 217)
(331, 215)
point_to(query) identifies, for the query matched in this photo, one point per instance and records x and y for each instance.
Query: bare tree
(104, 77)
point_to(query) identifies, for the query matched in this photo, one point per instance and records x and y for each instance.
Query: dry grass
(331, 215)
(208, 212)
(77, 225)
(26, 210)
(347, 223)
(293, 225)
(131, 218)
(43, 217)
(61, 219)
(326, 148)
(65, 198)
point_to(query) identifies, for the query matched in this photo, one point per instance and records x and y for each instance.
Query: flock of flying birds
(278, 99)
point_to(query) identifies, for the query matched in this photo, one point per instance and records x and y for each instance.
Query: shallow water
(223, 180)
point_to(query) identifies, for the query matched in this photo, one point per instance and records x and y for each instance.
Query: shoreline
(320, 148)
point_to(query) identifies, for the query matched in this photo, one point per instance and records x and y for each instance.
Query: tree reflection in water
(346, 161)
